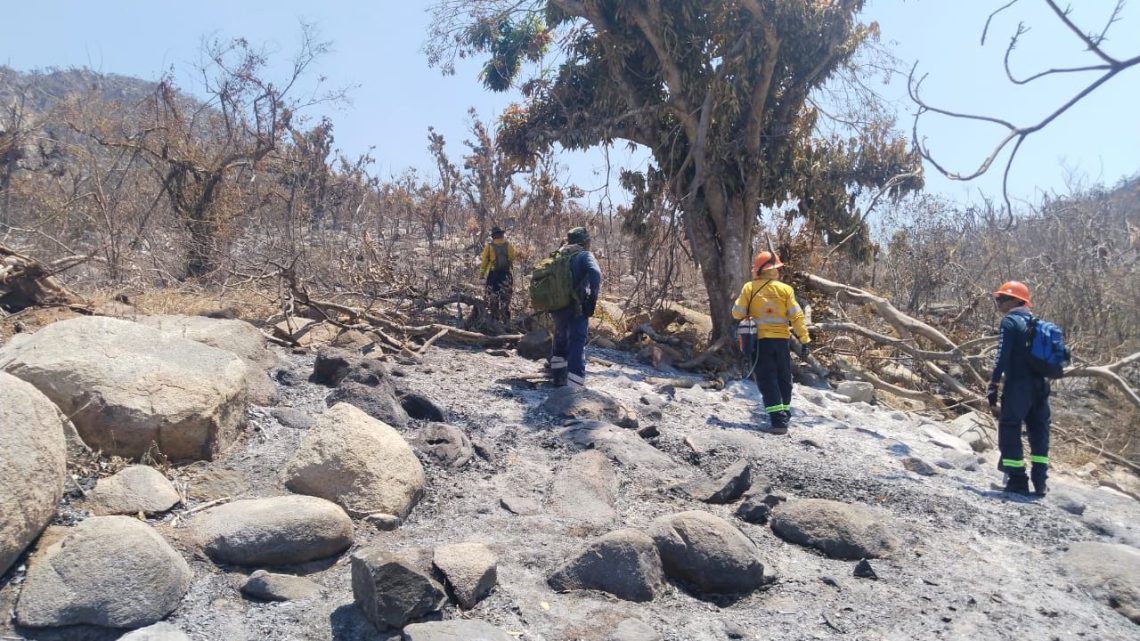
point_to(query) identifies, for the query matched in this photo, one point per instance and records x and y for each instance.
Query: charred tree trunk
(720, 231)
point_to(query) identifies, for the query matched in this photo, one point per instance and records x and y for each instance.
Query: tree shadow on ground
(347, 623)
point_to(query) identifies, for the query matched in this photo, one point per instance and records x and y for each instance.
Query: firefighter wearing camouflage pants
(498, 257)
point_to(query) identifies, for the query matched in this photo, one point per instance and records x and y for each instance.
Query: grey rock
(535, 345)
(266, 586)
(754, 510)
(586, 489)
(839, 530)
(590, 405)
(127, 387)
(734, 630)
(633, 630)
(378, 402)
(1109, 572)
(420, 407)
(358, 462)
(137, 488)
(110, 571)
(33, 462)
(457, 630)
(919, 466)
(628, 450)
(444, 443)
(384, 521)
(470, 569)
(293, 418)
(161, 631)
(332, 365)
(282, 530)
(624, 563)
(967, 462)
(520, 505)
(731, 485)
(390, 591)
(863, 570)
(856, 391)
(973, 429)
(707, 552)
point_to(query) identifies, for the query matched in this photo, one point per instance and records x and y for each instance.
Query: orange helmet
(1015, 289)
(766, 260)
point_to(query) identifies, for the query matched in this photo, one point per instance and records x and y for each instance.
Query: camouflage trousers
(500, 289)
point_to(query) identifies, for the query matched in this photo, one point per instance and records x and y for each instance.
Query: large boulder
(128, 387)
(646, 463)
(390, 591)
(456, 630)
(282, 530)
(33, 462)
(111, 571)
(234, 336)
(707, 552)
(358, 462)
(586, 489)
(587, 404)
(377, 401)
(470, 569)
(624, 563)
(974, 429)
(839, 530)
(138, 488)
(1108, 571)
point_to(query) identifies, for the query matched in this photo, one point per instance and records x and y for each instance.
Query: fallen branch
(1110, 373)
(25, 282)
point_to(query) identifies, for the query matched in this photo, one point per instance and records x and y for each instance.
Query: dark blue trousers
(570, 333)
(1025, 401)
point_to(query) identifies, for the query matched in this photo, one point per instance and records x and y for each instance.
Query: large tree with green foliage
(717, 91)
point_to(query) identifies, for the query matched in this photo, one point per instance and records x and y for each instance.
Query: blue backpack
(1048, 355)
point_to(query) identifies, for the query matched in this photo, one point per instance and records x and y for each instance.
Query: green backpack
(552, 282)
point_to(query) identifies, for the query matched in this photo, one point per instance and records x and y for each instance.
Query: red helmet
(766, 260)
(1014, 289)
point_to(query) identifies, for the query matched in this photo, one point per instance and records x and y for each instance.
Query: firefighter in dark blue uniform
(1025, 397)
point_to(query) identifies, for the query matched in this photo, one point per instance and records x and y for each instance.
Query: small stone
(267, 586)
(863, 570)
(830, 580)
(734, 631)
(455, 630)
(292, 418)
(649, 431)
(383, 521)
(471, 570)
(856, 391)
(633, 630)
(138, 488)
(161, 631)
(754, 510)
(731, 485)
(520, 505)
(919, 466)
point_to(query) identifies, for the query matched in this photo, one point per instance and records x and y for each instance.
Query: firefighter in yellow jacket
(498, 257)
(772, 306)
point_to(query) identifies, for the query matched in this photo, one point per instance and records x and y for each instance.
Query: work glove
(805, 350)
(992, 397)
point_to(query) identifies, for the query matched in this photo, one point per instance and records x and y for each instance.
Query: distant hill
(45, 88)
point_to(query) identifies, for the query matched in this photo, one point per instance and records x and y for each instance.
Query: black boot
(779, 421)
(1017, 484)
(1039, 474)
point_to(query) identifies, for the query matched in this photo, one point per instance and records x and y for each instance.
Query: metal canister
(746, 337)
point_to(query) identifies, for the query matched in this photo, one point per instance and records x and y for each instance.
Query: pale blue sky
(377, 47)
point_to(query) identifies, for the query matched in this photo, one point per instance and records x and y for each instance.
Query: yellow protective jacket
(488, 263)
(773, 306)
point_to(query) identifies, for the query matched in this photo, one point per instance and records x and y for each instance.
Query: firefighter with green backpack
(498, 257)
(567, 285)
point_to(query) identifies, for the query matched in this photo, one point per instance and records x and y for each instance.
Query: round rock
(470, 630)
(111, 571)
(33, 462)
(839, 530)
(157, 632)
(707, 552)
(1108, 571)
(138, 488)
(358, 462)
(282, 530)
(266, 586)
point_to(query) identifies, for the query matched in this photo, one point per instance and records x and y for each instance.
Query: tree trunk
(721, 235)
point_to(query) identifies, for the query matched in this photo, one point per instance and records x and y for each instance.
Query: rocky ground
(960, 560)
